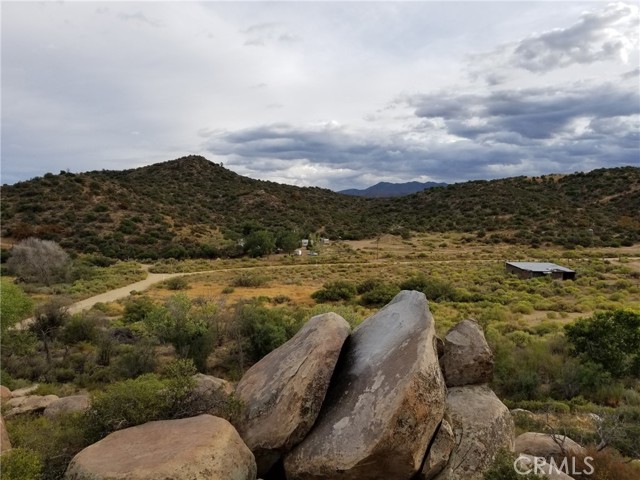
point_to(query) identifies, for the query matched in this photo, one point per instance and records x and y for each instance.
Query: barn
(540, 269)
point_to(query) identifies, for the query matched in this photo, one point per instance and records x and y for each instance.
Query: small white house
(298, 252)
(304, 242)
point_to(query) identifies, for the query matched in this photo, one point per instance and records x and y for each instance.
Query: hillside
(193, 207)
(387, 189)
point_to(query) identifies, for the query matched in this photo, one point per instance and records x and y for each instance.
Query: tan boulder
(71, 404)
(282, 393)
(23, 392)
(467, 358)
(5, 444)
(5, 394)
(547, 446)
(206, 384)
(439, 452)
(482, 425)
(29, 404)
(384, 403)
(196, 448)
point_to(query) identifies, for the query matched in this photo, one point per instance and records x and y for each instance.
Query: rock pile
(370, 405)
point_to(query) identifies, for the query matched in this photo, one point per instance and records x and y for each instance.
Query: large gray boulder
(384, 404)
(482, 425)
(547, 446)
(282, 393)
(209, 385)
(467, 358)
(71, 404)
(196, 448)
(29, 404)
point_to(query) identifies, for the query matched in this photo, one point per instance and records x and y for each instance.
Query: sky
(331, 94)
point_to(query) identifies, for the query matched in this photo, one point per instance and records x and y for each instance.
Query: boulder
(5, 393)
(439, 453)
(282, 393)
(206, 384)
(547, 446)
(23, 392)
(29, 404)
(384, 403)
(482, 425)
(467, 358)
(71, 404)
(203, 447)
(5, 444)
(529, 463)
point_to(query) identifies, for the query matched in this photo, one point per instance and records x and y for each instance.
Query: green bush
(81, 327)
(435, 289)
(176, 283)
(335, 291)
(379, 295)
(135, 360)
(503, 469)
(266, 329)
(20, 464)
(15, 305)
(55, 441)
(250, 280)
(137, 309)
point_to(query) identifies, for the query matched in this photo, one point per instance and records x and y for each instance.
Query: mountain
(194, 207)
(387, 189)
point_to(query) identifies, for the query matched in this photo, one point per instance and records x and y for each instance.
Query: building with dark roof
(540, 269)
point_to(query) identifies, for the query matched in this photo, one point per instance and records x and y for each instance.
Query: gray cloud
(259, 35)
(597, 36)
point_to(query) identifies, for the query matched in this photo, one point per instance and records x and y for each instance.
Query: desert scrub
(249, 279)
(20, 464)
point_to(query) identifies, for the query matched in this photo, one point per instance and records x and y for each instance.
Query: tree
(48, 319)
(186, 325)
(609, 339)
(15, 305)
(38, 261)
(259, 243)
(288, 241)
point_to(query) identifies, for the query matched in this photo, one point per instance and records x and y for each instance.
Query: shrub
(250, 280)
(266, 329)
(20, 464)
(610, 339)
(38, 261)
(379, 295)
(136, 360)
(55, 441)
(435, 289)
(177, 283)
(503, 468)
(137, 309)
(15, 305)
(80, 328)
(335, 291)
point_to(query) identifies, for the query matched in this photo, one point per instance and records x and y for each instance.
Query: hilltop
(194, 207)
(388, 189)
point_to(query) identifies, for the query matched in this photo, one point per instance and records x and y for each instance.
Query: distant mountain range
(191, 207)
(387, 189)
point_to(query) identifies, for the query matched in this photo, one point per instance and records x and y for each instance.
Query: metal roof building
(540, 269)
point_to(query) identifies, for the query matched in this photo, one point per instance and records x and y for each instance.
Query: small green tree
(609, 339)
(335, 291)
(186, 325)
(15, 305)
(288, 241)
(259, 243)
(48, 319)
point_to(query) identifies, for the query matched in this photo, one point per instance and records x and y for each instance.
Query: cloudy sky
(334, 94)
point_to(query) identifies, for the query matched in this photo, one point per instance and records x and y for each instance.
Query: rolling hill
(194, 207)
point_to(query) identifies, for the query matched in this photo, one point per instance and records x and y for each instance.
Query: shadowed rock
(482, 425)
(282, 393)
(203, 447)
(384, 404)
(29, 404)
(439, 453)
(467, 358)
